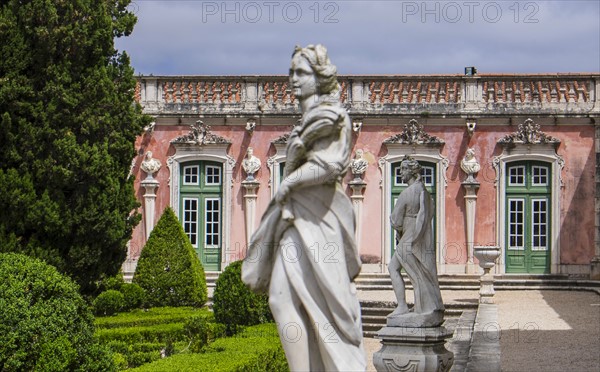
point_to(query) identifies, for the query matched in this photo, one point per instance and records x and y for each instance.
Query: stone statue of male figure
(415, 253)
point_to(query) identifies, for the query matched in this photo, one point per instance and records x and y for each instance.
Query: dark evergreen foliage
(67, 131)
(45, 325)
(234, 304)
(169, 269)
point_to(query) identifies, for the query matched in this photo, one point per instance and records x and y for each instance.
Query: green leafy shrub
(45, 325)
(169, 269)
(234, 304)
(109, 302)
(250, 350)
(202, 332)
(134, 295)
(113, 282)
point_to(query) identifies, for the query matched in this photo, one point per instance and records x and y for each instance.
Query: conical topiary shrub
(169, 269)
(234, 304)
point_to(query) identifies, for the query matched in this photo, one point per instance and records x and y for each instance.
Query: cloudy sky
(365, 37)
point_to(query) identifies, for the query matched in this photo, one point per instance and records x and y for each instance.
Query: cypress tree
(68, 123)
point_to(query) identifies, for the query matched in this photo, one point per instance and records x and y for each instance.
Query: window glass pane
(427, 176)
(212, 222)
(213, 175)
(539, 175)
(539, 213)
(190, 220)
(515, 224)
(516, 175)
(190, 175)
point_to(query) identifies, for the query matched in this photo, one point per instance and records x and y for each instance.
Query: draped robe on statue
(312, 236)
(412, 215)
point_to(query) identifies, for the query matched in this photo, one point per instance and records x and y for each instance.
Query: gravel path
(549, 330)
(540, 330)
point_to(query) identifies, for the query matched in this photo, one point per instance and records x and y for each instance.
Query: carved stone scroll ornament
(200, 134)
(528, 133)
(413, 134)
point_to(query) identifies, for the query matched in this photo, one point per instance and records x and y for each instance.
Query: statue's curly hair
(412, 165)
(326, 72)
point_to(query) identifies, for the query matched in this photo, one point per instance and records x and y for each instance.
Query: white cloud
(378, 37)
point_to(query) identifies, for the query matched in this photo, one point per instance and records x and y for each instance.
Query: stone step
(374, 313)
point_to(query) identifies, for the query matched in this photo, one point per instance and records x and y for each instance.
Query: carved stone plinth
(251, 186)
(471, 188)
(487, 257)
(413, 349)
(357, 185)
(150, 185)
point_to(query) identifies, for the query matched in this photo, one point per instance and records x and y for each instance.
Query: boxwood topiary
(45, 325)
(168, 269)
(109, 303)
(234, 304)
(134, 295)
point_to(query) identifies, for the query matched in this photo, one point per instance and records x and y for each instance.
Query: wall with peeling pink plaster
(577, 212)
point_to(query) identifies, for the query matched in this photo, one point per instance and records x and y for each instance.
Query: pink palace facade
(536, 137)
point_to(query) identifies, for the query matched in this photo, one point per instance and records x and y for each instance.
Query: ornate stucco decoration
(150, 165)
(413, 134)
(200, 134)
(528, 133)
(281, 139)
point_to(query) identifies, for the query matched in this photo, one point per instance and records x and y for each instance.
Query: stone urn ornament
(487, 256)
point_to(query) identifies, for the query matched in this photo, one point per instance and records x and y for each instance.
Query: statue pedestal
(413, 349)
(487, 256)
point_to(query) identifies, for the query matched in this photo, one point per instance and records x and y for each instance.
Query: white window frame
(206, 222)
(528, 152)
(534, 247)
(184, 153)
(197, 175)
(522, 246)
(206, 175)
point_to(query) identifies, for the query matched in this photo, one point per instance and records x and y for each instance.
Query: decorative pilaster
(150, 166)
(358, 165)
(595, 263)
(470, 208)
(470, 166)
(250, 196)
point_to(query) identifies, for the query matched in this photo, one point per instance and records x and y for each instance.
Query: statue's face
(405, 173)
(250, 152)
(302, 77)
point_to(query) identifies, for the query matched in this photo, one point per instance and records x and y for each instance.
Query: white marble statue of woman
(303, 253)
(415, 252)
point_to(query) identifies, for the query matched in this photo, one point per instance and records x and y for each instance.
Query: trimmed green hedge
(234, 304)
(154, 333)
(156, 315)
(254, 349)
